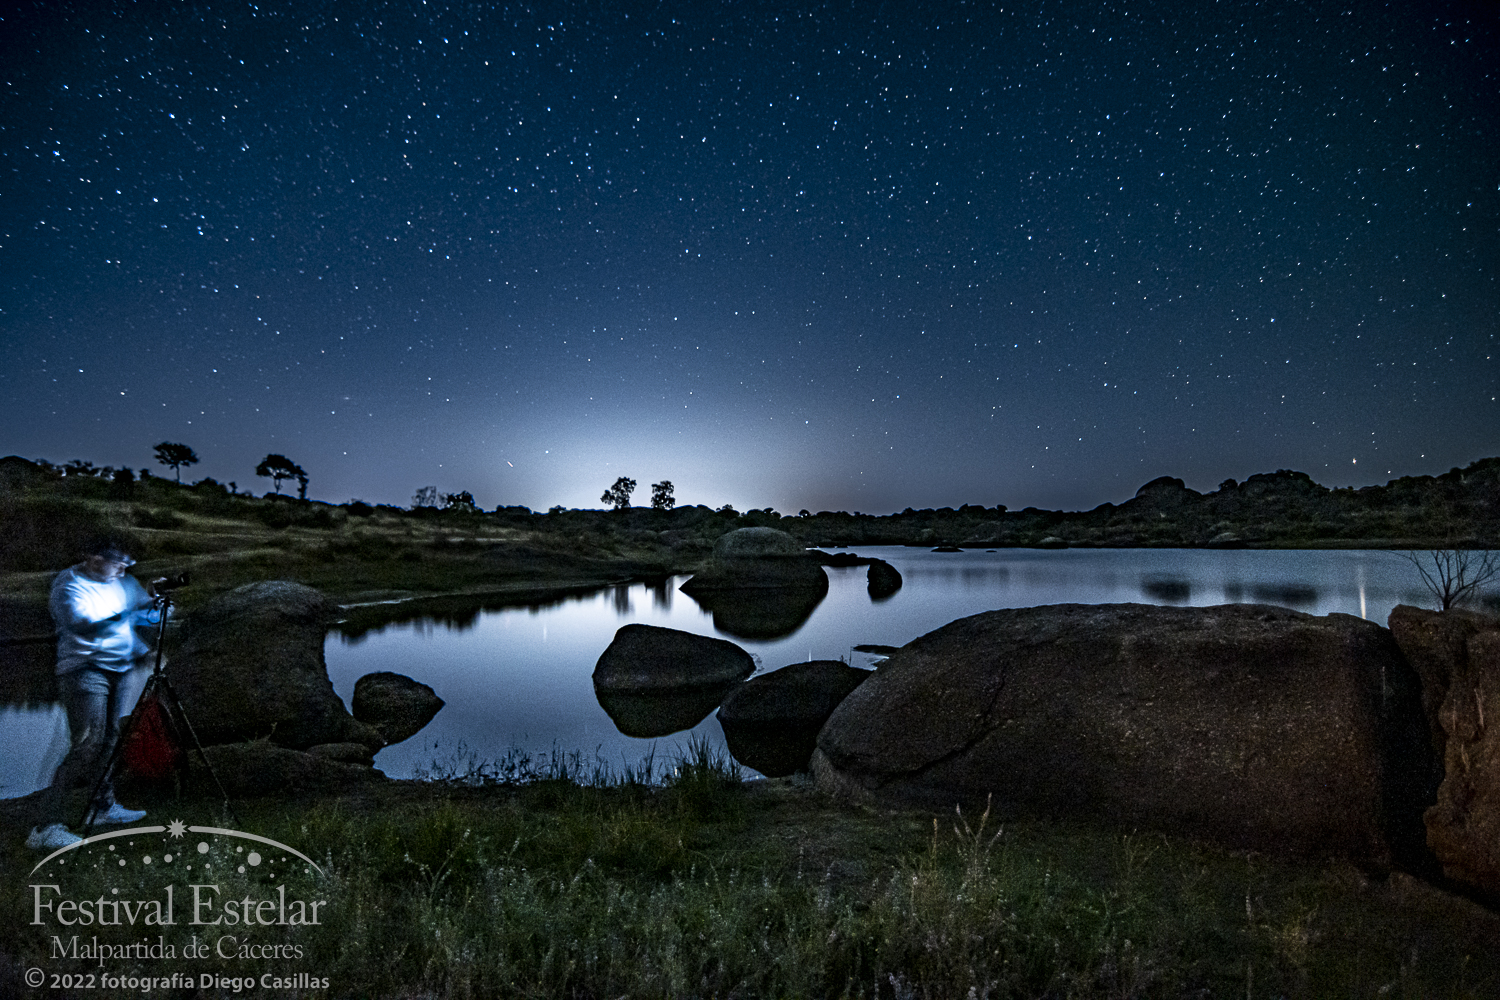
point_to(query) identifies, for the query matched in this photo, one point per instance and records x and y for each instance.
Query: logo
(175, 907)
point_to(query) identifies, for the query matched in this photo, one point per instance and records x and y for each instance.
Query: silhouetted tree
(1454, 576)
(661, 495)
(426, 496)
(618, 495)
(279, 467)
(463, 500)
(174, 456)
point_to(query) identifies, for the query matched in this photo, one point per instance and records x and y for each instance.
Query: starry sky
(845, 256)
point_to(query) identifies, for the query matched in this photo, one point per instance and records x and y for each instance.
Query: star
(177, 828)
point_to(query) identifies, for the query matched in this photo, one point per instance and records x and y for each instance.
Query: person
(102, 667)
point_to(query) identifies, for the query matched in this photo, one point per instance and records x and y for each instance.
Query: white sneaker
(117, 813)
(52, 837)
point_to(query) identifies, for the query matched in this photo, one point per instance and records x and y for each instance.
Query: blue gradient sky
(842, 256)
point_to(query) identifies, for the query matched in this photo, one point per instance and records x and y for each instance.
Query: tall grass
(543, 877)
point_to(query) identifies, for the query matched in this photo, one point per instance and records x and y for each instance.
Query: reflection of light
(1359, 573)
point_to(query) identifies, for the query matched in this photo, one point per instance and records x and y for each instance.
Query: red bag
(150, 751)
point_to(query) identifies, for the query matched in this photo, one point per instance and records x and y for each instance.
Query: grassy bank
(556, 886)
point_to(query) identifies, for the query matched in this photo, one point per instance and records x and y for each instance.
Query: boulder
(250, 666)
(1250, 725)
(759, 583)
(758, 558)
(261, 768)
(882, 579)
(1457, 655)
(646, 658)
(771, 722)
(347, 753)
(756, 543)
(394, 704)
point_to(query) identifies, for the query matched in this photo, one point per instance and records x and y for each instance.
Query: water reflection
(647, 716)
(456, 612)
(622, 599)
(760, 613)
(1167, 589)
(522, 676)
(1294, 595)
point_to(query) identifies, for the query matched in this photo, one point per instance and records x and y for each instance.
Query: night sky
(847, 256)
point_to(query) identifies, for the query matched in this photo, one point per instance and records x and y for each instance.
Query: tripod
(177, 720)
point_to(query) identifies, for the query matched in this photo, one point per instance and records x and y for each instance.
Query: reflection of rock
(1284, 593)
(759, 613)
(1251, 725)
(648, 658)
(1051, 542)
(1166, 588)
(882, 579)
(397, 706)
(771, 722)
(647, 715)
(1457, 655)
(251, 665)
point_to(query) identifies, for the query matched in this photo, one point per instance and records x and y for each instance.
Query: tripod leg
(173, 704)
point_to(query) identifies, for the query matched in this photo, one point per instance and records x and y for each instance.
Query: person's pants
(97, 702)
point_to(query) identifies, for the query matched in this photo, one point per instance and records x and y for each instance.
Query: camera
(166, 584)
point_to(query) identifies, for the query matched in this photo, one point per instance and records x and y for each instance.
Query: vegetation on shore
(524, 881)
(360, 552)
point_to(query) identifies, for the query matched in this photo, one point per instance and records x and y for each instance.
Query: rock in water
(756, 558)
(648, 658)
(394, 704)
(250, 666)
(882, 579)
(1247, 724)
(760, 583)
(1457, 655)
(771, 722)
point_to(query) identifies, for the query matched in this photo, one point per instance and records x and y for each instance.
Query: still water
(521, 678)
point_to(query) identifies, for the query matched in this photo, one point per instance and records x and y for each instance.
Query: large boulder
(250, 666)
(261, 768)
(1250, 725)
(759, 583)
(756, 559)
(647, 658)
(394, 704)
(756, 543)
(1457, 655)
(771, 722)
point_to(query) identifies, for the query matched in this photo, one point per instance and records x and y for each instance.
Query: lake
(521, 678)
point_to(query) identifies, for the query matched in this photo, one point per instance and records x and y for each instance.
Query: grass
(545, 878)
